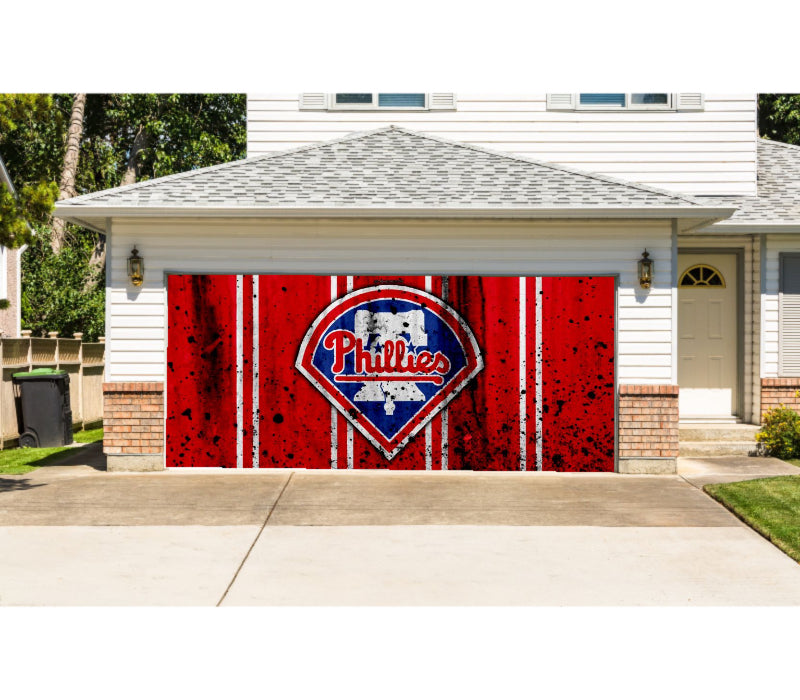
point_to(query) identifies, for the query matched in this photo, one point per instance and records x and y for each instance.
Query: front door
(708, 336)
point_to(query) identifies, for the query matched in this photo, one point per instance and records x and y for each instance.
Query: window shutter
(690, 102)
(442, 100)
(789, 317)
(564, 100)
(314, 100)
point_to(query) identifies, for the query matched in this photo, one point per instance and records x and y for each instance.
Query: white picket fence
(83, 362)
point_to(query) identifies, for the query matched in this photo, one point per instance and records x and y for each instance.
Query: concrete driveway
(75, 535)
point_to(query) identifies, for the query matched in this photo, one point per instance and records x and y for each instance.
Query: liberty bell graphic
(375, 329)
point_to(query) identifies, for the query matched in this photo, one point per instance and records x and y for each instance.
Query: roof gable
(388, 168)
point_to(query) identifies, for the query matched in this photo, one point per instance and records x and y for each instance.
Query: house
(432, 281)
(10, 277)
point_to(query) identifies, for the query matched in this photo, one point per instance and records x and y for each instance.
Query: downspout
(20, 251)
(674, 288)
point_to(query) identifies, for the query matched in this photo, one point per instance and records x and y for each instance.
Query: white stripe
(523, 375)
(349, 425)
(444, 414)
(539, 373)
(429, 426)
(239, 373)
(334, 422)
(256, 427)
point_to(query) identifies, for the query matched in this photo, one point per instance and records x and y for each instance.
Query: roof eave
(753, 227)
(80, 214)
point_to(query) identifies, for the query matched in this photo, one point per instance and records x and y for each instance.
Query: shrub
(780, 433)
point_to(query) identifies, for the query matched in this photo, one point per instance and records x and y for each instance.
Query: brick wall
(648, 420)
(134, 418)
(779, 390)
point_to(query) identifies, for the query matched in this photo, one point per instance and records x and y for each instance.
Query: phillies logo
(389, 358)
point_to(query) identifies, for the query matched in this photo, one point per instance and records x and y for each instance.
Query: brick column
(133, 425)
(779, 390)
(648, 428)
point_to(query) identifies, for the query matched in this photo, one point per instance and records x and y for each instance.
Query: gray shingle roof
(778, 199)
(386, 168)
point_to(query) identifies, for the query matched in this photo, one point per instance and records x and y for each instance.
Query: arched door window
(702, 276)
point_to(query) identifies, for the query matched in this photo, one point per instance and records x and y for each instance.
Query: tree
(779, 117)
(26, 153)
(31, 205)
(54, 292)
(151, 135)
(124, 139)
(67, 187)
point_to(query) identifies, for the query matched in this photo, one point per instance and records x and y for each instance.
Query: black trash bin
(46, 414)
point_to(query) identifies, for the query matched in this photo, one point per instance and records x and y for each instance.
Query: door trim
(739, 253)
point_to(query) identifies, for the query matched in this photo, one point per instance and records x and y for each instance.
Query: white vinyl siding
(136, 322)
(712, 151)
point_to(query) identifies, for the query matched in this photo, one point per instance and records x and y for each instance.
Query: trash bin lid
(40, 373)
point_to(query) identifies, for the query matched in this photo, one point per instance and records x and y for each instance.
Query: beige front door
(708, 336)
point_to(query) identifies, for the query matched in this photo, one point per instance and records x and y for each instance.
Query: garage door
(368, 372)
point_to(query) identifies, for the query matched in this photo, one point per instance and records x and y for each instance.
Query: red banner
(367, 372)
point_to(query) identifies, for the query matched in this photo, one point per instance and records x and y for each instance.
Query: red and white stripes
(544, 400)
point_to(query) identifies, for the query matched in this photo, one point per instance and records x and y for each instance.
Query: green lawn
(26, 459)
(770, 506)
(796, 462)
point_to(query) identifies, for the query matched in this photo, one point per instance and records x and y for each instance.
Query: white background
(501, 47)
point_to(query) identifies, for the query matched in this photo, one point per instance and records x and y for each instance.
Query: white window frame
(374, 106)
(672, 100)
(573, 104)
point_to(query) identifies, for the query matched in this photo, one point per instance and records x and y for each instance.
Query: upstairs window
(625, 101)
(353, 98)
(378, 101)
(605, 100)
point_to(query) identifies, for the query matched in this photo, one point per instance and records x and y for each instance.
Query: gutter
(763, 227)
(79, 213)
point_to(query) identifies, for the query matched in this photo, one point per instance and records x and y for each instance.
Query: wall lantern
(645, 271)
(136, 268)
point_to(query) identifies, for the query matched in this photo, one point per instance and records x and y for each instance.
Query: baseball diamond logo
(389, 358)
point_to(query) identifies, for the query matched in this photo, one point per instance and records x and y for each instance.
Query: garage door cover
(497, 373)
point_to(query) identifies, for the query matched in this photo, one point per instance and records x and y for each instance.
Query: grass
(95, 435)
(770, 506)
(22, 460)
(796, 462)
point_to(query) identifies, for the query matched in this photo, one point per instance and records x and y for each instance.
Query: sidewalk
(74, 535)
